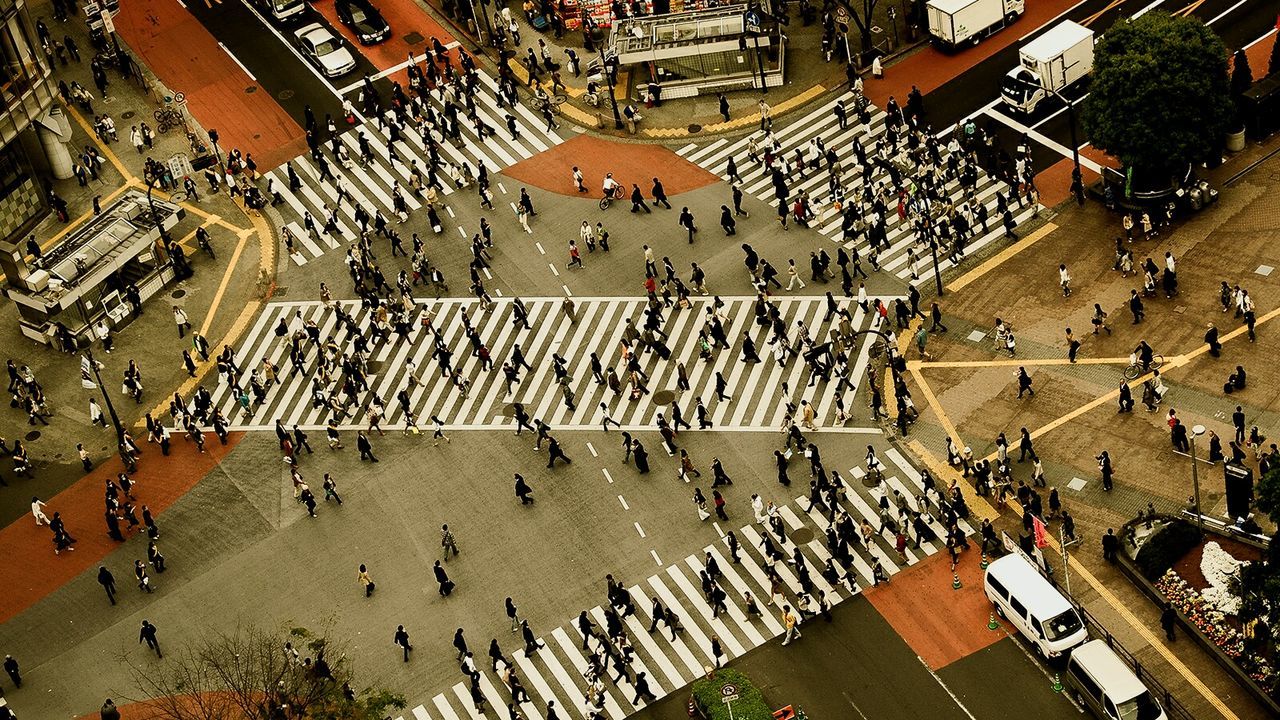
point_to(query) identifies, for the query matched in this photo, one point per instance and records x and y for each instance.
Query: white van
(1102, 682)
(1022, 596)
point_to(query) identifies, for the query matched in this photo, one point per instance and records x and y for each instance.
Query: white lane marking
(625, 506)
(592, 449)
(1042, 139)
(607, 476)
(656, 559)
(236, 60)
(640, 530)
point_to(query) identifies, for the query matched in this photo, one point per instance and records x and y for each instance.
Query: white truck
(953, 23)
(1049, 64)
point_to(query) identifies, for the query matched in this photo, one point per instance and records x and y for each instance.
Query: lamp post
(1196, 431)
(924, 206)
(93, 367)
(151, 205)
(613, 97)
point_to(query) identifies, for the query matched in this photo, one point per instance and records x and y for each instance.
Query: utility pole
(89, 365)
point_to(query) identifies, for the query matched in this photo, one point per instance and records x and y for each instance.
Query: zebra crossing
(821, 122)
(556, 672)
(757, 400)
(370, 185)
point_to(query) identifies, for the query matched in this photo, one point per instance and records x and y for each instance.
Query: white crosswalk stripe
(821, 122)
(757, 400)
(371, 185)
(671, 659)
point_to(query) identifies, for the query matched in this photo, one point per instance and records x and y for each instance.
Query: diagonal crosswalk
(371, 184)
(758, 393)
(822, 123)
(558, 671)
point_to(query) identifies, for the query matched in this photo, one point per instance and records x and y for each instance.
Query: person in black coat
(641, 457)
(446, 585)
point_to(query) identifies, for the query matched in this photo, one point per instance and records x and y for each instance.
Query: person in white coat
(37, 511)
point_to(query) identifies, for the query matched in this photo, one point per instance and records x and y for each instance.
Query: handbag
(702, 513)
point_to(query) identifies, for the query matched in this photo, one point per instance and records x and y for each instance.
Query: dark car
(363, 20)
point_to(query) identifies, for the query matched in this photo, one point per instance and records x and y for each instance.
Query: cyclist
(610, 185)
(592, 97)
(1145, 355)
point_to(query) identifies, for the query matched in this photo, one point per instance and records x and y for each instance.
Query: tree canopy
(1160, 95)
(251, 674)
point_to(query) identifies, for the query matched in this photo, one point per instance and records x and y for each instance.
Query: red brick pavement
(187, 58)
(629, 162)
(31, 571)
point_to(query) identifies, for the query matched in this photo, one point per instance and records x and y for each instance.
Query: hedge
(750, 704)
(1165, 547)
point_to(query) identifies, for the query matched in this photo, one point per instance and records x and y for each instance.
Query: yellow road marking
(1015, 362)
(1186, 11)
(1094, 17)
(978, 505)
(1128, 616)
(999, 258)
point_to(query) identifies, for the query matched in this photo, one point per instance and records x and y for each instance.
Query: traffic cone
(992, 623)
(984, 563)
(955, 581)
(1057, 683)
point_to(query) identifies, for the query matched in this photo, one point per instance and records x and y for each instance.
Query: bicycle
(1135, 370)
(167, 118)
(608, 199)
(552, 102)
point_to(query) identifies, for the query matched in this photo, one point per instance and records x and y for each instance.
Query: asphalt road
(1238, 23)
(260, 47)
(859, 668)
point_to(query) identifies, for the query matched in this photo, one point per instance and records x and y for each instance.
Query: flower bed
(1216, 625)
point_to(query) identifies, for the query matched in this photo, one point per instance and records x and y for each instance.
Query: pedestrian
(791, 623)
(446, 585)
(148, 635)
(512, 615)
(1110, 545)
(401, 638)
(83, 454)
(36, 511)
(659, 194)
(11, 667)
(523, 491)
(363, 578)
(108, 583)
(365, 447)
(448, 542)
(1168, 620)
(686, 221)
(724, 107)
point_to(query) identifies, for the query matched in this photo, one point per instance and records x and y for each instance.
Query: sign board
(107, 25)
(751, 21)
(1036, 558)
(180, 166)
(1239, 483)
(728, 699)
(842, 15)
(729, 689)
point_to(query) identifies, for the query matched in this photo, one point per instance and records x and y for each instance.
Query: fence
(1172, 708)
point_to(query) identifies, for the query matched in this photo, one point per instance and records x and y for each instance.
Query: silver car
(325, 49)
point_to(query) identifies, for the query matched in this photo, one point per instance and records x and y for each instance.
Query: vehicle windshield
(327, 47)
(1014, 87)
(1143, 707)
(358, 15)
(1064, 625)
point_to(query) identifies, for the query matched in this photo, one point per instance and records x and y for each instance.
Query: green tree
(1160, 96)
(1266, 495)
(247, 675)
(1241, 74)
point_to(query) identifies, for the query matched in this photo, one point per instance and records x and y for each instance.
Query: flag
(1041, 535)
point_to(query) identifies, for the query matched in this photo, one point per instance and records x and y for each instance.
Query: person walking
(448, 542)
(108, 583)
(148, 635)
(792, 624)
(363, 578)
(523, 491)
(686, 222)
(1168, 621)
(446, 585)
(11, 667)
(401, 638)
(364, 446)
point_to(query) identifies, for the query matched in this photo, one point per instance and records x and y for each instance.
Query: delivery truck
(953, 23)
(1047, 65)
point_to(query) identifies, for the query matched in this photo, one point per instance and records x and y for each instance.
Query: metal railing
(1172, 708)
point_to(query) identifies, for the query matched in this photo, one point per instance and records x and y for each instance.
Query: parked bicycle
(167, 119)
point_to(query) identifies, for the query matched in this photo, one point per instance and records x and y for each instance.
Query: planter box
(1130, 570)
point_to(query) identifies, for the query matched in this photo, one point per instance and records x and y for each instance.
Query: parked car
(363, 20)
(325, 50)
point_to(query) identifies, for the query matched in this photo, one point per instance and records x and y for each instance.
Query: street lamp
(151, 205)
(613, 97)
(924, 206)
(93, 367)
(1196, 432)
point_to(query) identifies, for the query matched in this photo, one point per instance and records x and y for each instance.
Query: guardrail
(1172, 708)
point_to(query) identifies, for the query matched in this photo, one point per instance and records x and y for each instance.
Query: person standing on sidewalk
(108, 583)
(148, 635)
(401, 638)
(11, 667)
(363, 578)
(686, 222)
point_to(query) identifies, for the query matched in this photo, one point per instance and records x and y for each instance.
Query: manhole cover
(127, 114)
(801, 536)
(33, 435)
(413, 38)
(869, 481)
(508, 410)
(251, 90)
(663, 397)
(285, 94)
(178, 293)
(695, 128)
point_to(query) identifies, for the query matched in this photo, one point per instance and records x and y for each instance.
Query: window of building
(19, 66)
